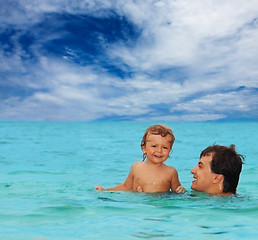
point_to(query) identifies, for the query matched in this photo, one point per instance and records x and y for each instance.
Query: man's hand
(139, 189)
(180, 189)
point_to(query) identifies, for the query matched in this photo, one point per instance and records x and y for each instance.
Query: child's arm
(127, 185)
(175, 183)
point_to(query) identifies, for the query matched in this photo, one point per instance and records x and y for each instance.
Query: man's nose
(193, 171)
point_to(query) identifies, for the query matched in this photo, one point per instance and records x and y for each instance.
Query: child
(152, 175)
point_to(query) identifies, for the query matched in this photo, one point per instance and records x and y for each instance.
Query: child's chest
(152, 177)
(152, 181)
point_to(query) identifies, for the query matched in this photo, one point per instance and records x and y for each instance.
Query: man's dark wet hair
(225, 161)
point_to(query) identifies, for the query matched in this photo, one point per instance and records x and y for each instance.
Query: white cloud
(186, 117)
(174, 32)
(214, 42)
(237, 101)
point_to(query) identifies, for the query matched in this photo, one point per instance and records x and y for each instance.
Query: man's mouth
(195, 178)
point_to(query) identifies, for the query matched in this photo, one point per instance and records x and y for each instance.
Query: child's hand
(180, 189)
(99, 188)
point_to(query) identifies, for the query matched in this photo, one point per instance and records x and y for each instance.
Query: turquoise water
(49, 170)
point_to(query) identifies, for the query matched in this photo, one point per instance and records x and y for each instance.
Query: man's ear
(218, 178)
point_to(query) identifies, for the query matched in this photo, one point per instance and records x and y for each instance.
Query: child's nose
(159, 149)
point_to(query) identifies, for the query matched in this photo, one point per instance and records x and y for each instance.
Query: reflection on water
(147, 235)
(49, 170)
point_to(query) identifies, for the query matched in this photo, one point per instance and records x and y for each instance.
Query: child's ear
(218, 178)
(143, 149)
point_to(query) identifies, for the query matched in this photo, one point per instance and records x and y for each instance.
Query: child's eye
(153, 145)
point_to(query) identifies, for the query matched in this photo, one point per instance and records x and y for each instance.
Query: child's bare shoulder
(136, 164)
(171, 169)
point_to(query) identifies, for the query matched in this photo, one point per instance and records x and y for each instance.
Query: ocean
(49, 170)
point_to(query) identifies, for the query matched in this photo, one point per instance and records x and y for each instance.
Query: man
(217, 171)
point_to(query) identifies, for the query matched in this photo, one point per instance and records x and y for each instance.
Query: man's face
(203, 176)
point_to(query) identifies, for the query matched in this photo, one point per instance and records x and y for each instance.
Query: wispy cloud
(158, 60)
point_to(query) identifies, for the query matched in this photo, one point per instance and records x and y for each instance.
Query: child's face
(157, 148)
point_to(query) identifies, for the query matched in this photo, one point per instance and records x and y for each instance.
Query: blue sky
(82, 60)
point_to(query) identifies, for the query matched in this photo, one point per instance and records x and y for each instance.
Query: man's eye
(153, 145)
(165, 147)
